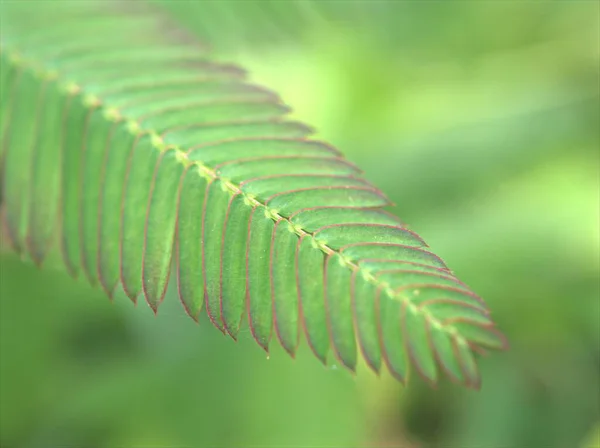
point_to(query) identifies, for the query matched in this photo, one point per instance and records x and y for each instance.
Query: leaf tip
(216, 324)
(233, 334)
(264, 346)
(108, 290)
(153, 306)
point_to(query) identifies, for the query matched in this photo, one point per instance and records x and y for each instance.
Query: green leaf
(316, 218)
(416, 338)
(94, 157)
(9, 81)
(213, 217)
(391, 337)
(283, 285)
(233, 263)
(365, 320)
(45, 175)
(138, 184)
(112, 188)
(160, 227)
(258, 277)
(22, 137)
(311, 289)
(75, 131)
(339, 310)
(188, 137)
(156, 157)
(190, 278)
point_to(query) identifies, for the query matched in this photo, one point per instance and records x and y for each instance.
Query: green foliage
(144, 152)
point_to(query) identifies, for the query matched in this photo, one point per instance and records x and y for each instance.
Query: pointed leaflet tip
(477, 349)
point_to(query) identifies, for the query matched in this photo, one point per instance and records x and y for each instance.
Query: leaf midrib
(112, 114)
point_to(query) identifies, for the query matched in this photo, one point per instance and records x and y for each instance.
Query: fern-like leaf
(124, 144)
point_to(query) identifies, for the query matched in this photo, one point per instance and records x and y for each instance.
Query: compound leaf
(127, 146)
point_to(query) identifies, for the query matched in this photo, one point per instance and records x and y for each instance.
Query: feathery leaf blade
(290, 201)
(270, 167)
(314, 218)
(138, 184)
(454, 310)
(402, 278)
(339, 310)
(485, 335)
(111, 201)
(283, 285)
(442, 345)
(264, 219)
(389, 251)
(22, 138)
(10, 76)
(258, 278)
(468, 364)
(45, 175)
(201, 134)
(365, 320)
(218, 111)
(310, 265)
(340, 235)
(233, 264)
(190, 278)
(220, 152)
(97, 141)
(388, 265)
(391, 339)
(186, 100)
(215, 211)
(75, 130)
(414, 324)
(424, 292)
(265, 187)
(160, 227)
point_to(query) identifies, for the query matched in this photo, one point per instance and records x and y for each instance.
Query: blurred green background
(480, 120)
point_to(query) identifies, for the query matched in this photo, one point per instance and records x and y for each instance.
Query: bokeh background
(481, 121)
